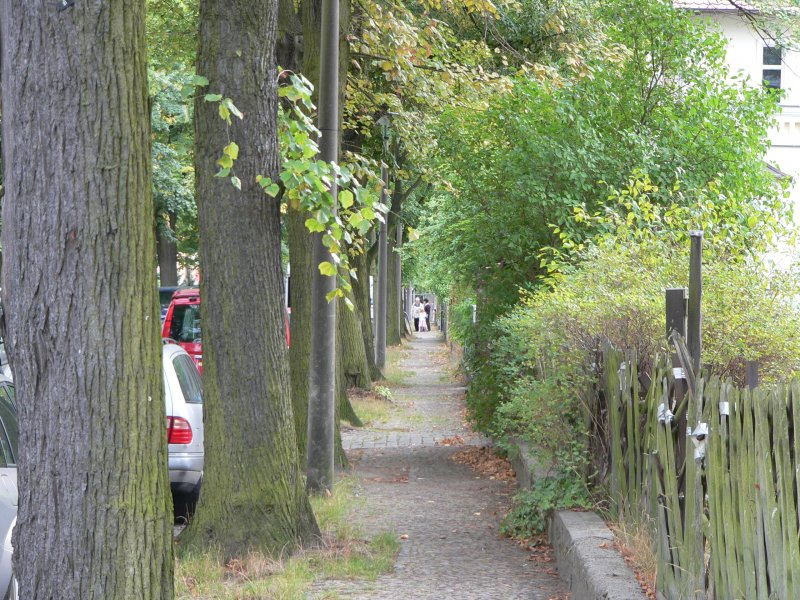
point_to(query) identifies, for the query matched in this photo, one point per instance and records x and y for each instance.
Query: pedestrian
(428, 312)
(416, 309)
(423, 319)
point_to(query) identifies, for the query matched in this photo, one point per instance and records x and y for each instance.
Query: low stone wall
(583, 545)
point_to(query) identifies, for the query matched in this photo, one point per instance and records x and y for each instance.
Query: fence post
(751, 374)
(677, 311)
(695, 318)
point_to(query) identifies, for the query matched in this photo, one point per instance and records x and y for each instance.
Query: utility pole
(399, 277)
(322, 385)
(383, 273)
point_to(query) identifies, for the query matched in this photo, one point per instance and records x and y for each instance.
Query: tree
(253, 492)
(81, 310)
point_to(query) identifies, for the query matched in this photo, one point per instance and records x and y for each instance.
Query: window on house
(772, 60)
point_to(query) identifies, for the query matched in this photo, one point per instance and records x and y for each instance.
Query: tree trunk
(300, 348)
(351, 347)
(81, 307)
(392, 324)
(253, 492)
(362, 265)
(168, 254)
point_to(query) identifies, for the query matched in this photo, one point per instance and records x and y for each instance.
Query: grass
(373, 410)
(342, 554)
(635, 542)
(392, 373)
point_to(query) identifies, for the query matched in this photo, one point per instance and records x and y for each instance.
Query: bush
(544, 359)
(564, 489)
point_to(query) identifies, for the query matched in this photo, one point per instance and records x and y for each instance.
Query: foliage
(384, 393)
(172, 151)
(563, 489)
(651, 137)
(306, 182)
(543, 361)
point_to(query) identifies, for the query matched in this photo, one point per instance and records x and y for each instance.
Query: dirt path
(449, 513)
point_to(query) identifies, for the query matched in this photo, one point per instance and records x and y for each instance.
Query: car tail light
(178, 431)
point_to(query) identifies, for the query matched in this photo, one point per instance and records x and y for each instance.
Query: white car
(183, 393)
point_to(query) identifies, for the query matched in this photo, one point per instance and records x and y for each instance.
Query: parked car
(183, 393)
(182, 323)
(165, 297)
(8, 483)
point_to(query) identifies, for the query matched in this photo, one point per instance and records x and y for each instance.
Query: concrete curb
(588, 561)
(583, 545)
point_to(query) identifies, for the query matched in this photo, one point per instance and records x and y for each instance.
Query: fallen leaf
(404, 536)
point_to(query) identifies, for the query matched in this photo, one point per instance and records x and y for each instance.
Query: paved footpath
(448, 511)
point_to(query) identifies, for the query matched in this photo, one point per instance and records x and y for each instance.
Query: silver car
(9, 434)
(183, 393)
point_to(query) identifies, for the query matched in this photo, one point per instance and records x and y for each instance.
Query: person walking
(416, 309)
(423, 319)
(428, 308)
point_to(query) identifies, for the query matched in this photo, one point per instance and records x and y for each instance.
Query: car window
(12, 394)
(9, 432)
(189, 379)
(185, 326)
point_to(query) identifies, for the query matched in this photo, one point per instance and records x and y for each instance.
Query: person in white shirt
(416, 308)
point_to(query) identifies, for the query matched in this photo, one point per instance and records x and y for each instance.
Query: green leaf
(232, 150)
(225, 114)
(752, 221)
(228, 103)
(346, 198)
(222, 173)
(212, 97)
(199, 81)
(225, 162)
(314, 226)
(237, 183)
(272, 190)
(328, 269)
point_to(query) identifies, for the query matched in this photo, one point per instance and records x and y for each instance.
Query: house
(754, 53)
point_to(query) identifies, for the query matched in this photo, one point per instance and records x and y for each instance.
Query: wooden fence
(716, 470)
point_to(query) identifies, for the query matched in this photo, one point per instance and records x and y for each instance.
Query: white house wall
(745, 55)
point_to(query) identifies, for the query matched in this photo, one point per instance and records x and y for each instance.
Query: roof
(715, 5)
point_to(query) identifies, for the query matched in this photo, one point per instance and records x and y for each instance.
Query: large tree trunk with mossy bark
(253, 496)
(81, 306)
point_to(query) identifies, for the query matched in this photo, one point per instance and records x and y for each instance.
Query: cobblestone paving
(449, 514)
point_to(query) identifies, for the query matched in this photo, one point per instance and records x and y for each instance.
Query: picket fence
(716, 470)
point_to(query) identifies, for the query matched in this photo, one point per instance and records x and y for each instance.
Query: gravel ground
(446, 514)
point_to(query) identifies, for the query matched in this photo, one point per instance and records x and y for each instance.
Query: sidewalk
(449, 513)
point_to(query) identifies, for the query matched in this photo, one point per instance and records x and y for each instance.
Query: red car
(182, 324)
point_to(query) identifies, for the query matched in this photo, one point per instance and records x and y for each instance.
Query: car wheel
(185, 503)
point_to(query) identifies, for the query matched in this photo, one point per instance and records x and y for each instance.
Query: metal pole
(322, 381)
(399, 277)
(695, 317)
(383, 273)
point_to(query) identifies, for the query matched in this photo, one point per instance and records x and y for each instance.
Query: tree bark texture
(362, 265)
(81, 308)
(351, 347)
(253, 492)
(167, 249)
(300, 348)
(393, 334)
